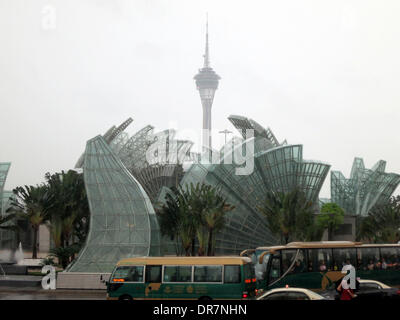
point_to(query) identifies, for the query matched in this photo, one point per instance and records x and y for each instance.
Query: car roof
(311, 294)
(384, 286)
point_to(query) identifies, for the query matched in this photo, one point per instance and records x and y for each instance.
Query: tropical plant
(48, 261)
(176, 219)
(194, 213)
(61, 204)
(289, 215)
(70, 210)
(32, 203)
(330, 218)
(382, 224)
(5, 222)
(214, 214)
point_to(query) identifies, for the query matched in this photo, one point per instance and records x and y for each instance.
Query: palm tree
(176, 218)
(289, 215)
(196, 212)
(214, 215)
(33, 203)
(273, 211)
(382, 224)
(70, 212)
(5, 222)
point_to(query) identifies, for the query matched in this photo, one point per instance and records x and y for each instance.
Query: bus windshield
(128, 274)
(261, 268)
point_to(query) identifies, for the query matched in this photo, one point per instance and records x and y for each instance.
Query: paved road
(7, 293)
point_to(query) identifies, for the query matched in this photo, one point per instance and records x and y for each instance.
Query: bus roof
(325, 244)
(219, 260)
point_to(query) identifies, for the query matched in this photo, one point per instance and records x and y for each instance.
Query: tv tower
(207, 82)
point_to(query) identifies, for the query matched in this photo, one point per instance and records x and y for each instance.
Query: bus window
(343, 256)
(249, 273)
(177, 274)
(128, 274)
(320, 260)
(388, 258)
(153, 274)
(275, 272)
(208, 274)
(287, 260)
(253, 258)
(368, 258)
(232, 274)
(261, 268)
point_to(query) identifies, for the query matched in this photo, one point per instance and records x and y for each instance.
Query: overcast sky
(325, 74)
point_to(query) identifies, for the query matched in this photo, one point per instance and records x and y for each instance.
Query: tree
(214, 215)
(331, 217)
(176, 218)
(289, 215)
(61, 203)
(70, 213)
(194, 212)
(32, 203)
(5, 222)
(382, 224)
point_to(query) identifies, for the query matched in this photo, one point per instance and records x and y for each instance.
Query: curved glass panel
(122, 220)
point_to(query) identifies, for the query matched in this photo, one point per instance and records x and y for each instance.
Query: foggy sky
(325, 74)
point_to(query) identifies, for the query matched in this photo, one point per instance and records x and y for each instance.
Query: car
(290, 294)
(372, 289)
(366, 290)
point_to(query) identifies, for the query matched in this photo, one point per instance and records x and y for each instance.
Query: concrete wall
(345, 232)
(81, 280)
(44, 239)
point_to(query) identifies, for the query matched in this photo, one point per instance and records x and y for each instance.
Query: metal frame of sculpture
(6, 236)
(364, 189)
(277, 166)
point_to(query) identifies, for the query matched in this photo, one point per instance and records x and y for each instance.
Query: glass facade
(6, 236)
(364, 189)
(4, 167)
(277, 166)
(127, 176)
(122, 219)
(154, 159)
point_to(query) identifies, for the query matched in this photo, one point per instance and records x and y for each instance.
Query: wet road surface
(40, 294)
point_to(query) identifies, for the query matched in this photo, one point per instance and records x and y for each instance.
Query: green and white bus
(317, 265)
(202, 278)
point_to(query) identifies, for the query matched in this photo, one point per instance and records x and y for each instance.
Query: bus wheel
(205, 298)
(125, 297)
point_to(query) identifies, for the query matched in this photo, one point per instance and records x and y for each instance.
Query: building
(364, 189)
(7, 239)
(122, 218)
(277, 166)
(359, 194)
(207, 83)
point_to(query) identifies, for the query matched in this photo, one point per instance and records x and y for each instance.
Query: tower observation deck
(207, 83)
